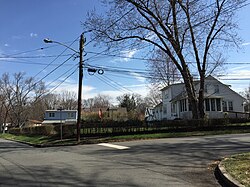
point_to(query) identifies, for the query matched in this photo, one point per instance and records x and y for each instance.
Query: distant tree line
(22, 98)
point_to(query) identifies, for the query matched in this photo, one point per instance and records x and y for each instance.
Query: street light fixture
(80, 52)
(47, 40)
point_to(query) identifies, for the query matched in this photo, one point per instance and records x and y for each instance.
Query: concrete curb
(42, 145)
(226, 178)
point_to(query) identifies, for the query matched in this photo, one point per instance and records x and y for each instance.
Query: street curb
(42, 145)
(226, 178)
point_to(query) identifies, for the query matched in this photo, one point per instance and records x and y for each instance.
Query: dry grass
(238, 166)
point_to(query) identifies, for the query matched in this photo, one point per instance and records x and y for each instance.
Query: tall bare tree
(68, 100)
(162, 70)
(192, 33)
(246, 95)
(154, 97)
(18, 92)
(102, 101)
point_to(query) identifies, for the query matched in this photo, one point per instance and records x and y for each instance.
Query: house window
(164, 110)
(183, 105)
(218, 104)
(189, 106)
(216, 88)
(205, 88)
(207, 104)
(70, 114)
(224, 104)
(51, 114)
(166, 94)
(212, 104)
(173, 107)
(230, 105)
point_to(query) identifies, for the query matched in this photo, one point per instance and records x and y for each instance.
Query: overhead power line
(36, 56)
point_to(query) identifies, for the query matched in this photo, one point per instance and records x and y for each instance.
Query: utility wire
(56, 68)
(57, 57)
(63, 81)
(37, 56)
(148, 59)
(116, 83)
(106, 82)
(33, 63)
(62, 75)
(111, 25)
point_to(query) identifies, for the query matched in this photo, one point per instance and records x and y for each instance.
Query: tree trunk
(201, 96)
(188, 81)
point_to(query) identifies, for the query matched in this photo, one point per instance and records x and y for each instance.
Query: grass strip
(55, 140)
(238, 166)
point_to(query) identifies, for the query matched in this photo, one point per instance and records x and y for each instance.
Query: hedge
(112, 127)
(37, 130)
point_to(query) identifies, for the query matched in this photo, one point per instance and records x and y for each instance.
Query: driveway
(161, 162)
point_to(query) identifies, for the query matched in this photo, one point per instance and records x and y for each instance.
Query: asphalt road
(163, 162)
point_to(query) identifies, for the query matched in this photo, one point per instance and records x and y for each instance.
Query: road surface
(163, 162)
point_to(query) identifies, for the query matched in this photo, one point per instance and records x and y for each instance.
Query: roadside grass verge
(23, 138)
(39, 140)
(238, 166)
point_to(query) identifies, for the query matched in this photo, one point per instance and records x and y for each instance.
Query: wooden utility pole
(79, 108)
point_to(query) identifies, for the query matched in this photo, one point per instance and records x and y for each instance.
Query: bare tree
(192, 33)
(154, 97)
(68, 100)
(246, 95)
(102, 101)
(18, 94)
(88, 103)
(3, 111)
(162, 70)
(51, 101)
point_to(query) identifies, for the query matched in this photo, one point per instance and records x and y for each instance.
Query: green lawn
(238, 166)
(53, 140)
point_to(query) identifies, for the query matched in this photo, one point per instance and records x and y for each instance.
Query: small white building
(60, 116)
(218, 99)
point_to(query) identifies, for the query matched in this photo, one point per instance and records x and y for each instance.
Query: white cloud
(6, 45)
(238, 78)
(138, 77)
(33, 35)
(128, 54)
(151, 35)
(17, 37)
(72, 86)
(246, 44)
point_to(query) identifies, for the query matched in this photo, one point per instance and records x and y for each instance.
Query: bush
(37, 130)
(67, 130)
(239, 120)
(15, 131)
(218, 122)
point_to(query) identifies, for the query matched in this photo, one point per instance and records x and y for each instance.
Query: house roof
(160, 104)
(165, 88)
(59, 121)
(184, 95)
(62, 110)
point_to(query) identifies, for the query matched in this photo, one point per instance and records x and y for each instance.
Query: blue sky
(24, 25)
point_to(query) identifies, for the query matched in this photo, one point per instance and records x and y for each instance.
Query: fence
(232, 114)
(135, 127)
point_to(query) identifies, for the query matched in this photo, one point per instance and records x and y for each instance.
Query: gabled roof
(62, 110)
(165, 88)
(183, 94)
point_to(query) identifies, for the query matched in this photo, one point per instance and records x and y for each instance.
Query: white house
(60, 116)
(218, 99)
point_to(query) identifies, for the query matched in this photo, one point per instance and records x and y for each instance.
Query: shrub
(37, 130)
